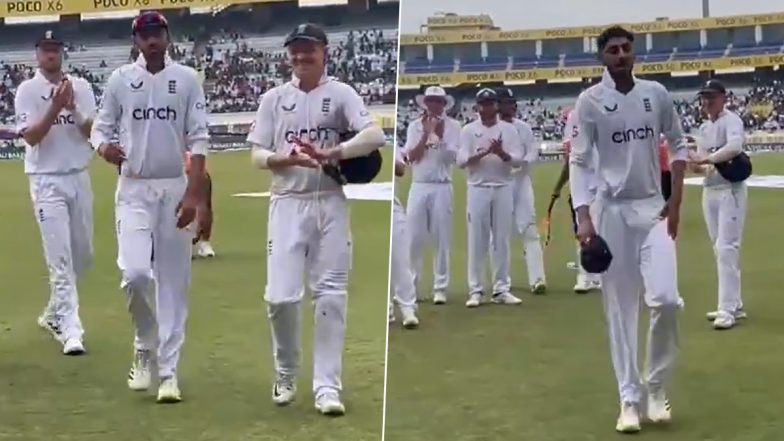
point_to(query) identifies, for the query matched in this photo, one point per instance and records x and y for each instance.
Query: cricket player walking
(401, 275)
(295, 135)
(489, 149)
(621, 119)
(524, 204)
(158, 108)
(586, 281)
(54, 113)
(431, 148)
(721, 137)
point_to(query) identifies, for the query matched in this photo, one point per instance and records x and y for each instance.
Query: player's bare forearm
(583, 213)
(36, 132)
(400, 169)
(197, 185)
(86, 128)
(677, 171)
(415, 154)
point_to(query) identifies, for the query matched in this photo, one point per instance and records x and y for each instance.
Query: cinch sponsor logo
(633, 135)
(319, 133)
(63, 120)
(152, 113)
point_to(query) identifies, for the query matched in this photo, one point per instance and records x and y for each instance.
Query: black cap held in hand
(50, 38)
(737, 169)
(595, 255)
(306, 31)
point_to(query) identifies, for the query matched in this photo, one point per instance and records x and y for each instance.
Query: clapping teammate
(621, 119)
(296, 128)
(54, 115)
(524, 204)
(431, 148)
(489, 149)
(158, 106)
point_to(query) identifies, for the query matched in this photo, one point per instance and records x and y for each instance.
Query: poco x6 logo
(629, 135)
(319, 133)
(155, 113)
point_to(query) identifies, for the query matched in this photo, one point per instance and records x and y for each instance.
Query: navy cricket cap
(49, 38)
(713, 87)
(737, 169)
(149, 20)
(505, 95)
(595, 255)
(486, 94)
(306, 31)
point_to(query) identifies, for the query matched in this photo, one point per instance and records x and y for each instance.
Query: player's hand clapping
(63, 95)
(309, 154)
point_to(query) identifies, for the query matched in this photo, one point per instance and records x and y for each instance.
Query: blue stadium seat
(580, 60)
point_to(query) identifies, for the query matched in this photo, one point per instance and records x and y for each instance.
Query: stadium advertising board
(589, 31)
(28, 8)
(577, 73)
(457, 21)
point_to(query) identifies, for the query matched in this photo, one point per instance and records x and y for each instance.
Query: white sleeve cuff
(580, 179)
(200, 147)
(260, 157)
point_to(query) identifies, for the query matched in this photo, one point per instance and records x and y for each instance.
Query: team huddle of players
(626, 157)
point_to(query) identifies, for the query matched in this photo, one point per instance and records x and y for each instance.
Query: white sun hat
(438, 92)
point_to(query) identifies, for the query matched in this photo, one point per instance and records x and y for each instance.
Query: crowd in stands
(236, 78)
(761, 108)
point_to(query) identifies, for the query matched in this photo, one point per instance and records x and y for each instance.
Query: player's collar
(607, 80)
(140, 61)
(295, 80)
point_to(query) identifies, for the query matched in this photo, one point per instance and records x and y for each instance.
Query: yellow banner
(452, 21)
(29, 8)
(591, 31)
(453, 79)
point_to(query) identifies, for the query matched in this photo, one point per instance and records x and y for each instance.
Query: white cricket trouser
(63, 207)
(402, 279)
(155, 259)
(430, 208)
(308, 235)
(490, 211)
(725, 214)
(525, 221)
(644, 261)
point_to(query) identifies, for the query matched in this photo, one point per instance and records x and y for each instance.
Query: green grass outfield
(542, 371)
(226, 369)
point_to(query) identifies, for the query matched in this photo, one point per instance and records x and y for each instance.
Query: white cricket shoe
(328, 403)
(140, 375)
(439, 298)
(629, 419)
(49, 324)
(474, 300)
(505, 298)
(724, 320)
(738, 314)
(659, 410)
(539, 287)
(583, 285)
(73, 346)
(168, 391)
(284, 390)
(410, 320)
(204, 249)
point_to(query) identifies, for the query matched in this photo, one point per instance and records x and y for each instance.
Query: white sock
(329, 338)
(284, 321)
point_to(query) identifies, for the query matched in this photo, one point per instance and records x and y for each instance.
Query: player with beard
(621, 119)
(157, 106)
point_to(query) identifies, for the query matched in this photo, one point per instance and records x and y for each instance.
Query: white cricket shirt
(725, 136)
(399, 157)
(64, 149)
(317, 117)
(530, 148)
(569, 130)
(159, 116)
(491, 171)
(436, 164)
(624, 131)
